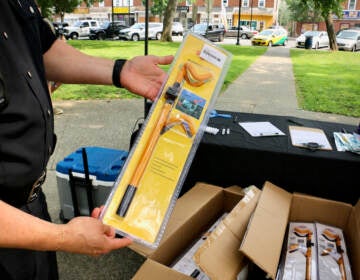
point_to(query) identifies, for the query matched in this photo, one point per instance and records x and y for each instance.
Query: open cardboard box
(264, 238)
(193, 214)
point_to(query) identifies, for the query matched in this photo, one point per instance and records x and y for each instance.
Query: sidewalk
(267, 87)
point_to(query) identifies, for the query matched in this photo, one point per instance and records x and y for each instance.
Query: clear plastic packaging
(300, 252)
(146, 190)
(333, 260)
(314, 251)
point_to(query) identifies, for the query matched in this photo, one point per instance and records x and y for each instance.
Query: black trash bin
(308, 42)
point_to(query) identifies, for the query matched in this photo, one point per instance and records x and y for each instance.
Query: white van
(80, 28)
(136, 32)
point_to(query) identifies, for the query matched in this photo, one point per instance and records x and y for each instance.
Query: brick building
(350, 19)
(258, 14)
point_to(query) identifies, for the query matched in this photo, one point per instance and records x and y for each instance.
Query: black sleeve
(47, 36)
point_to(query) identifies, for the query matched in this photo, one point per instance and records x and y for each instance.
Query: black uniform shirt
(26, 123)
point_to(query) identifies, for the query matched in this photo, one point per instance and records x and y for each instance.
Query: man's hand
(88, 235)
(143, 76)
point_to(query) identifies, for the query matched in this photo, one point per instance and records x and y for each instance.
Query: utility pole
(112, 10)
(238, 31)
(129, 23)
(251, 14)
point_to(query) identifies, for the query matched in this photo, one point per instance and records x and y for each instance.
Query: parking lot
(242, 42)
(232, 41)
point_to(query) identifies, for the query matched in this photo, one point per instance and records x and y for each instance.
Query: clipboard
(259, 129)
(308, 137)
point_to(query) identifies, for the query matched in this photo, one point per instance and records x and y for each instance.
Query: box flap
(353, 239)
(356, 215)
(187, 212)
(221, 260)
(239, 217)
(219, 256)
(235, 189)
(265, 234)
(232, 196)
(306, 208)
(152, 270)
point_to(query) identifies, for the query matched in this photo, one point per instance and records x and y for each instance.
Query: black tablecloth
(240, 159)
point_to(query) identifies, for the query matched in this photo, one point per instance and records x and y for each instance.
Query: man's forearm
(21, 230)
(68, 65)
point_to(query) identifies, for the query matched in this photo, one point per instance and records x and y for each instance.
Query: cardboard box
(194, 213)
(276, 207)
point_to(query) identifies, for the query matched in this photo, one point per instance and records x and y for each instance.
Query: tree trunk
(168, 19)
(331, 32)
(195, 9)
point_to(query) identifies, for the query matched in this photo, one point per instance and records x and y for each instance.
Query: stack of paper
(258, 129)
(304, 136)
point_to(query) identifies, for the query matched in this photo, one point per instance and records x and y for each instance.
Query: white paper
(300, 136)
(258, 129)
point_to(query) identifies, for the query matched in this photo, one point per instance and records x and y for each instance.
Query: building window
(245, 3)
(261, 3)
(352, 4)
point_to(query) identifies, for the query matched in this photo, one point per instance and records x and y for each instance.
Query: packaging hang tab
(146, 190)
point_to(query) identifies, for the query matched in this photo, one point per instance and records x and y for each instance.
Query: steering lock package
(332, 253)
(314, 251)
(145, 192)
(300, 252)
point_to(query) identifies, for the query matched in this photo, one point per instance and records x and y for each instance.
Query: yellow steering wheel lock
(146, 190)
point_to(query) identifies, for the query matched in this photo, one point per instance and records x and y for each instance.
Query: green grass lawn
(327, 81)
(243, 57)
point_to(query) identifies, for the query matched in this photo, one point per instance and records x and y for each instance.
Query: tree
(209, 6)
(49, 7)
(168, 19)
(158, 7)
(284, 14)
(46, 7)
(303, 11)
(327, 9)
(318, 10)
(65, 6)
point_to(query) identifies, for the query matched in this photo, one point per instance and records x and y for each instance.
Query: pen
(295, 122)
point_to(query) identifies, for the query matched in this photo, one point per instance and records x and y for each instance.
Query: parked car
(177, 29)
(80, 29)
(107, 30)
(348, 40)
(270, 37)
(320, 39)
(245, 32)
(136, 32)
(59, 28)
(213, 32)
